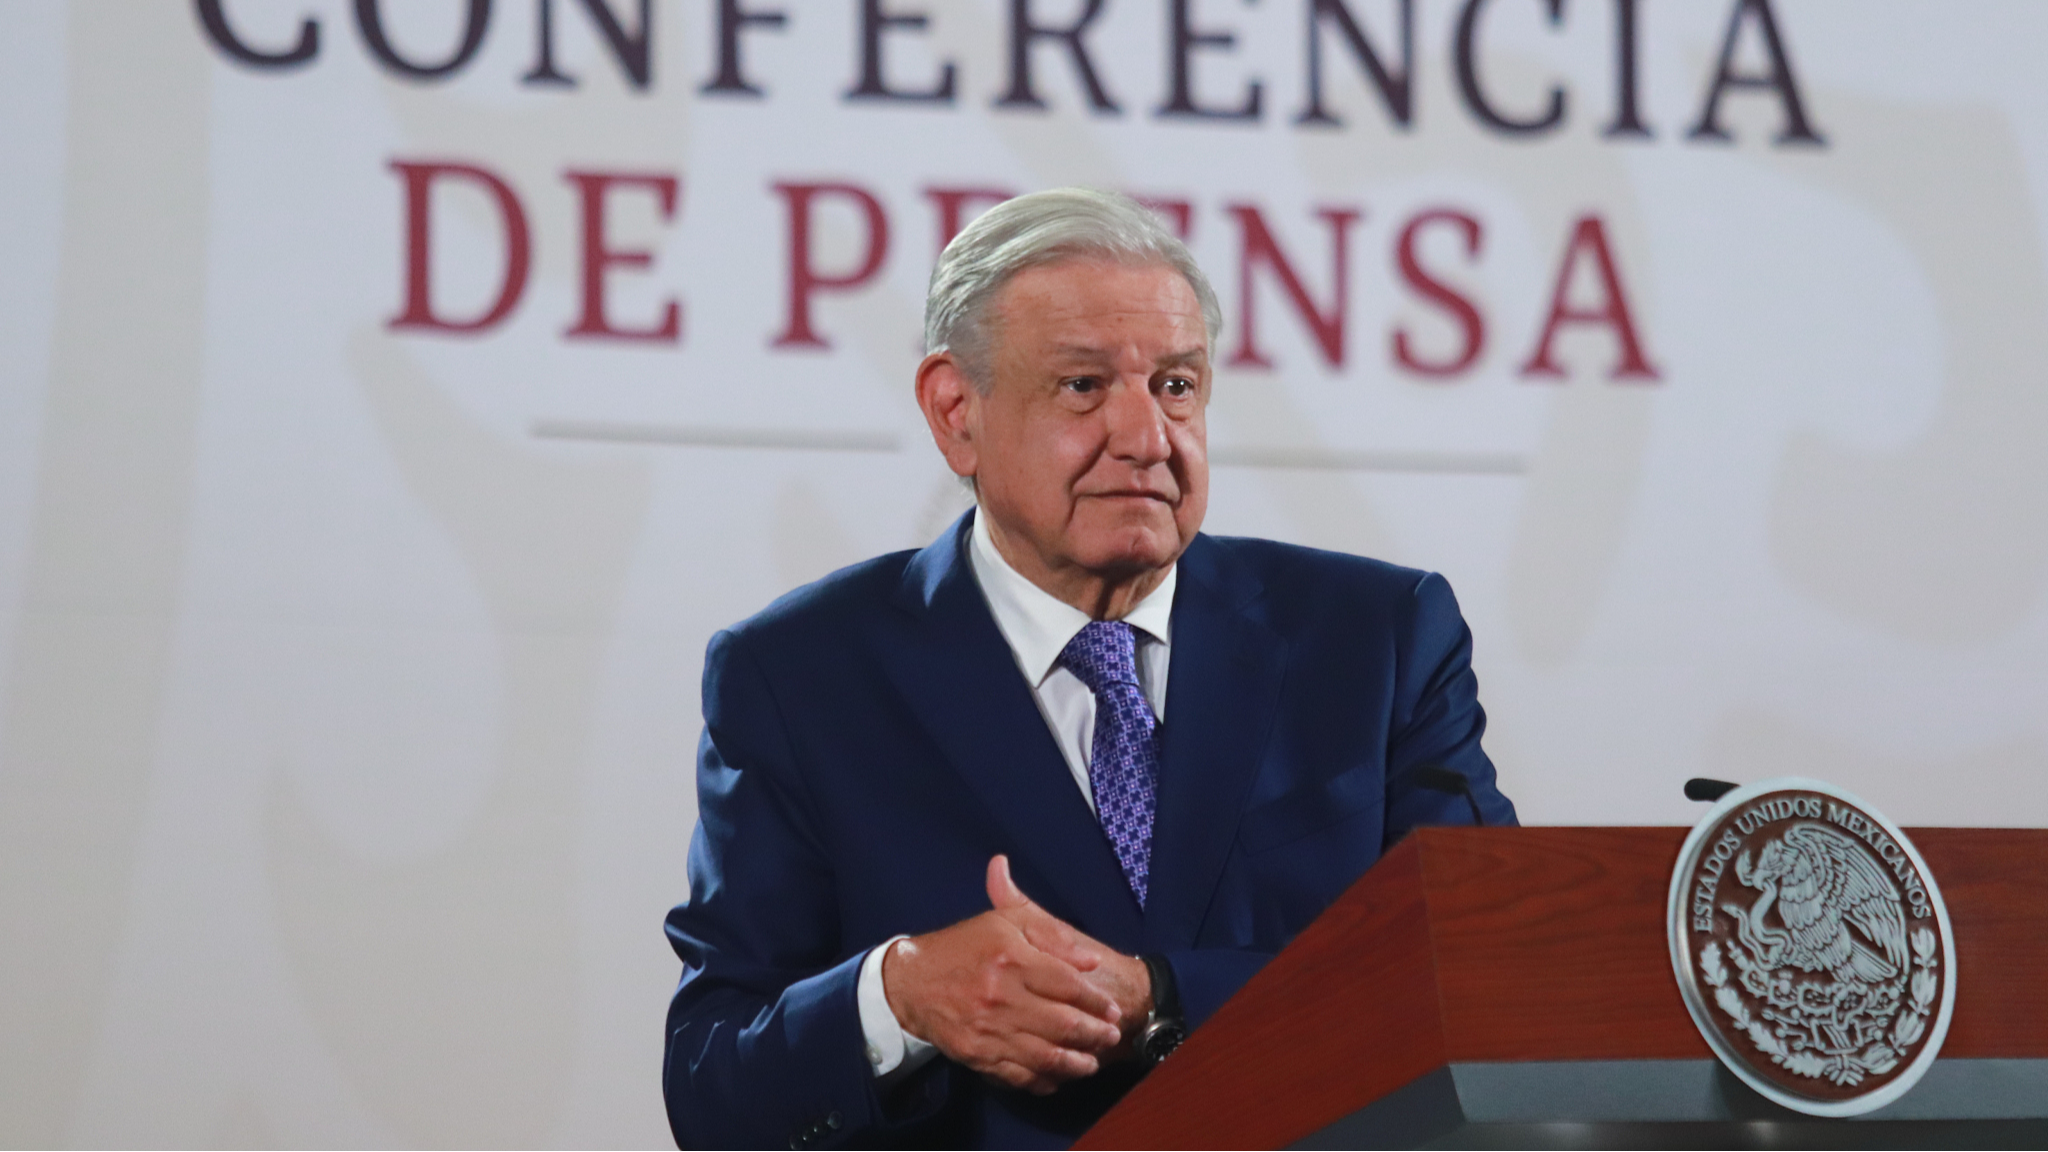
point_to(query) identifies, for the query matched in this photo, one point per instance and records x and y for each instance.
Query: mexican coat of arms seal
(1812, 947)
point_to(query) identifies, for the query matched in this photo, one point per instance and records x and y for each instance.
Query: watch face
(1160, 1039)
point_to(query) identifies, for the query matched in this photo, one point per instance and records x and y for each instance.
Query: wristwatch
(1165, 1027)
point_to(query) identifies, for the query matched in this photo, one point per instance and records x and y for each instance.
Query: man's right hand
(991, 999)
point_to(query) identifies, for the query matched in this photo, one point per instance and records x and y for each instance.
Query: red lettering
(1590, 237)
(804, 277)
(419, 308)
(1260, 247)
(599, 257)
(1471, 325)
(952, 204)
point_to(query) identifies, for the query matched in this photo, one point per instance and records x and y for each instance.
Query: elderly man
(985, 828)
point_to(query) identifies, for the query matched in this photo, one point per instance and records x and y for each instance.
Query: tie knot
(1104, 652)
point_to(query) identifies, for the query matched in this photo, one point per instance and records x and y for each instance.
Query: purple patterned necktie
(1124, 768)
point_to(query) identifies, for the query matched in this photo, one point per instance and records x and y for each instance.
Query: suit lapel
(959, 678)
(1223, 692)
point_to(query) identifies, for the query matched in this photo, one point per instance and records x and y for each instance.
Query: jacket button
(833, 1122)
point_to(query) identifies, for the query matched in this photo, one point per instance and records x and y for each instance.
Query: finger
(1054, 936)
(1003, 893)
(1077, 1030)
(1067, 1025)
(1048, 1061)
(1032, 1064)
(1060, 984)
(1017, 1076)
(1061, 1064)
(1009, 1074)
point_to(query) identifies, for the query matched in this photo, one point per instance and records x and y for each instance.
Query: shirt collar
(1038, 624)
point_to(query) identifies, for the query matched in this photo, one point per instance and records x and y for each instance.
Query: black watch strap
(1165, 992)
(1166, 1026)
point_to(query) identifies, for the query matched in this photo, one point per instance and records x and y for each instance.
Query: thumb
(1003, 892)
(1046, 932)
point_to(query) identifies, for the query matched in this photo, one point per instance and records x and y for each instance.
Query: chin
(1141, 550)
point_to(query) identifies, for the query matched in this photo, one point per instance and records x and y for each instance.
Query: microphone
(1438, 778)
(1701, 788)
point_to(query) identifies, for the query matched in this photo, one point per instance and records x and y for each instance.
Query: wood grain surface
(1550, 943)
(1469, 944)
(1995, 883)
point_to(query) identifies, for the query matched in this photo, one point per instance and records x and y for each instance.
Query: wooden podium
(1512, 987)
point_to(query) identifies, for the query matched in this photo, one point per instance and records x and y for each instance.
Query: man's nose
(1137, 427)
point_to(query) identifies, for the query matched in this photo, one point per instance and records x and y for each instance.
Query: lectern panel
(1551, 940)
(1472, 968)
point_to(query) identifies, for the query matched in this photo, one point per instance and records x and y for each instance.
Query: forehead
(1094, 300)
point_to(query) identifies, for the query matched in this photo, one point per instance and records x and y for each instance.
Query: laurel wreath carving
(1780, 1026)
(1912, 1023)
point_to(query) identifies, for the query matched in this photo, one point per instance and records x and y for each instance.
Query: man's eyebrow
(1080, 352)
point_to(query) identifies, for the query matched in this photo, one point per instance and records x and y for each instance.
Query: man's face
(1091, 450)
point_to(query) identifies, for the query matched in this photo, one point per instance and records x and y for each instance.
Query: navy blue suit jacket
(869, 743)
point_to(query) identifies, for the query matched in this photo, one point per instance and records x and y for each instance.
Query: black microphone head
(1701, 788)
(1438, 778)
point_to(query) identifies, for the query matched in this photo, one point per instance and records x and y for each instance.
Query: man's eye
(1081, 384)
(1178, 386)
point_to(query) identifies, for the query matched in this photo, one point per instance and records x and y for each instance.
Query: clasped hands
(1016, 993)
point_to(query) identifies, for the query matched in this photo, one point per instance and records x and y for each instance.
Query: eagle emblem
(1812, 947)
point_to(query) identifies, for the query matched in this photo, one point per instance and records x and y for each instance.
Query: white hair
(1037, 229)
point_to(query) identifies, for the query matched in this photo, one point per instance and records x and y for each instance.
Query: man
(984, 827)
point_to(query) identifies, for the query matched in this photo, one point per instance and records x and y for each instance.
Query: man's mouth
(1130, 494)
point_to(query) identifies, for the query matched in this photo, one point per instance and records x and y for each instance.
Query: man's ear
(949, 401)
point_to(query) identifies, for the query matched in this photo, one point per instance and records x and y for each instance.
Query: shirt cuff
(890, 1048)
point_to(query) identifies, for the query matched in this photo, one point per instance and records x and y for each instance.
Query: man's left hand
(1124, 978)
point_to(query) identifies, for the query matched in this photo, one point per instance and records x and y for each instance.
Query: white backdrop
(348, 668)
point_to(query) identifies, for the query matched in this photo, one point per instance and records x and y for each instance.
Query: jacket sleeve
(765, 1047)
(1436, 718)
(1206, 977)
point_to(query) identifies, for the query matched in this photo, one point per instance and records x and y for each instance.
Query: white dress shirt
(1037, 627)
